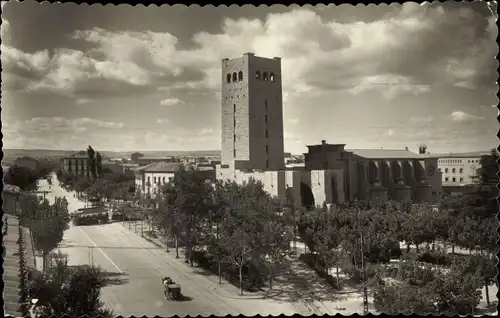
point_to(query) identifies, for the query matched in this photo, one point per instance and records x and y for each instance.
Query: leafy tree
(73, 291)
(245, 208)
(277, 233)
(419, 225)
(48, 223)
(458, 290)
(21, 177)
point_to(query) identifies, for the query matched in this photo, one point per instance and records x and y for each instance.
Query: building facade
(77, 164)
(459, 169)
(253, 147)
(150, 178)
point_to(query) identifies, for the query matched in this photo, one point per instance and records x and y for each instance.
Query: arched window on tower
(264, 76)
(272, 77)
(235, 77)
(257, 75)
(240, 76)
(228, 78)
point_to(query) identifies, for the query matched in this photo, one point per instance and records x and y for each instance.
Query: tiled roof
(385, 154)
(161, 167)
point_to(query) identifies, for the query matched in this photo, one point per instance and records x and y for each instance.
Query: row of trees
(111, 185)
(25, 177)
(239, 226)
(253, 228)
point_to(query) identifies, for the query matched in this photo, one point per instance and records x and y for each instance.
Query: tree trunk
(338, 276)
(270, 277)
(44, 261)
(453, 248)
(241, 275)
(487, 293)
(416, 248)
(408, 248)
(218, 269)
(176, 246)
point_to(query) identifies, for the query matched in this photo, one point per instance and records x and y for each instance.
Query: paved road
(139, 265)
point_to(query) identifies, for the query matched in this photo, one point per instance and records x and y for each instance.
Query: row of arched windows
(265, 76)
(235, 77)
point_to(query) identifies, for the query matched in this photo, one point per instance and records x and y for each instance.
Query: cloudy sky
(136, 78)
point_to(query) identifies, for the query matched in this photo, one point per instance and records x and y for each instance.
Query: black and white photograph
(193, 160)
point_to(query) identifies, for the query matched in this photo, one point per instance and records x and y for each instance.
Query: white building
(459, 169)
(151, 177)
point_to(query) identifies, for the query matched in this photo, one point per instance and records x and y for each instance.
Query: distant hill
(11, 154)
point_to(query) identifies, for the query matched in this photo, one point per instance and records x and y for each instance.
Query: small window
(234, 137)
(228, 78)
(265, 103)
(234, 153)
(240, 76)
(267, 163)
(257, 75)
(149, 179)
(461, 179)
(267, 134)
(267, 149)
(461, 170)
(439, 169)
(163, 179)
(170, 179)
(234, 108)
(265, 76)
(235, 77)
(154, 179)
(266, 119)
(446, 179)
(446, 170)
(272, 77)
(454, 179)
(453, 170)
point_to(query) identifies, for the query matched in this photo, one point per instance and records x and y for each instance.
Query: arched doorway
(307, 196)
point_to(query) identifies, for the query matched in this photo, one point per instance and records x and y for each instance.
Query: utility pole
(91, 256)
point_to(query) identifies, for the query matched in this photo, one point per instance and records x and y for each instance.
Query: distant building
(252, 147)
(144, 161)
(149, 178)
(459, 170)
(77, 164)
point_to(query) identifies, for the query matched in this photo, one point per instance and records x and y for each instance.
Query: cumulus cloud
(56, 132)
(407, 52)
(171, 102)
(460, 116)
